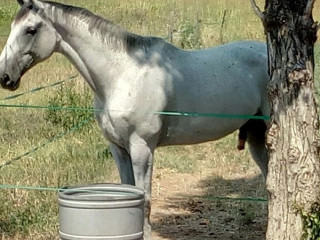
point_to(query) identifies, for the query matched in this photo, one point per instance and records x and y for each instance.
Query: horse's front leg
(142, 162)
(136, 171)
(124, 164)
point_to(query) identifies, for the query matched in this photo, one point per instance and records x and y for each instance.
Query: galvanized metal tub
(101, 211)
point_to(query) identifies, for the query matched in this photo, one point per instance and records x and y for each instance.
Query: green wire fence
(88, 120)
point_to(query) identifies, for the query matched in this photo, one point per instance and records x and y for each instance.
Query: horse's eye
(31, 31)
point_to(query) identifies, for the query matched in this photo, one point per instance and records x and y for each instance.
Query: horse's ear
(32, 3)
(22, 2)
(35, 3)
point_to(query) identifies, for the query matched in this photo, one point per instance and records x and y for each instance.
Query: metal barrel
(101, 211)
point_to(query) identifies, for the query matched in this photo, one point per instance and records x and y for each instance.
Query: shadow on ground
(206, 217)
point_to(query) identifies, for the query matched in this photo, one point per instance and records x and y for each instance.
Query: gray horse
(135, 79)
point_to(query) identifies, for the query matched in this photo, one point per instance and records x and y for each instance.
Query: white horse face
(31, 41)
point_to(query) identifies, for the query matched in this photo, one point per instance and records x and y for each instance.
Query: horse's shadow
(210, 217)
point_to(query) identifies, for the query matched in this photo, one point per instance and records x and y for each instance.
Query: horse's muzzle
(7, 83)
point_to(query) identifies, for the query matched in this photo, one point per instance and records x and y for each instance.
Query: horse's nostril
(6, 78)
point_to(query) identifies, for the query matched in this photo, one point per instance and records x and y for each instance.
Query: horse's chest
(115, 129)
(119, 127)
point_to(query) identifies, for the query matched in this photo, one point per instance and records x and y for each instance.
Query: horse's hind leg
(256, 137)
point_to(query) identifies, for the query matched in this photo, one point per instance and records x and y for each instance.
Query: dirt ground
(185, 205)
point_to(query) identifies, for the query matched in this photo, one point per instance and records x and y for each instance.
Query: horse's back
(237, 57)
(218, 73)
(234, 63)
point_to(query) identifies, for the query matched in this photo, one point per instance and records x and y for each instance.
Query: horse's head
(32, 39)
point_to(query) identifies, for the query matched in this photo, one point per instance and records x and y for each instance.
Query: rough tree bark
(293, 180)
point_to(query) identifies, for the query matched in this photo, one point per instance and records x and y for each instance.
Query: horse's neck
(77, 60)
(93, 57)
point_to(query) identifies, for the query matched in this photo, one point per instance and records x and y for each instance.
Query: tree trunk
(293, 180)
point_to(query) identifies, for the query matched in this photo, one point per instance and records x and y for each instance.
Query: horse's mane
(106, 30)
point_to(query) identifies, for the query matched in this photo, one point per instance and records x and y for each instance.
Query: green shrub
(311, 223)
(68, 96)
(189, 35)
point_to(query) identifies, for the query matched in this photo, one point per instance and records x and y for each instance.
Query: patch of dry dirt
(185, 206)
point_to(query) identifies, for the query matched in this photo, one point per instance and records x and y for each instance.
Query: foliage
(6, 13)
(311, 223)
(68, 96)
(189, 35)
(20, 219)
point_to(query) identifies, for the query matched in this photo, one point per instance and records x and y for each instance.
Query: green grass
(7, 11)
(81, 157)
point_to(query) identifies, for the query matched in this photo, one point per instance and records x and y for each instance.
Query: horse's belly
(188, 132)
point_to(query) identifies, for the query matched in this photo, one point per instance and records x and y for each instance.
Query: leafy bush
(311, 223)
(189, 35)
(70, 97)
